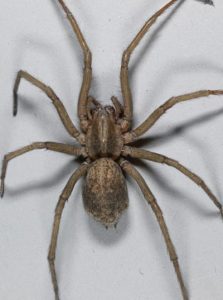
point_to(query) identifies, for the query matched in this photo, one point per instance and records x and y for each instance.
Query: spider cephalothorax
(104, 141)
(103, 137)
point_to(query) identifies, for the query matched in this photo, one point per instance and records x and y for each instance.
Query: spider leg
(144, 154)
(87, 76)
(131, 171)
(57, 218)
(124, 73)
(72, 130)
(92, 102)
(119, 109)
(151, 120)
(58, 147)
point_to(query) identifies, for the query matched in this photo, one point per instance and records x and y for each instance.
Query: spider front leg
(119, 109)
(57, 218)
(131, 171)
(87, 76)
(58, 147)
(155, 157)
(124, 73)
(69, 126)
(151, 120)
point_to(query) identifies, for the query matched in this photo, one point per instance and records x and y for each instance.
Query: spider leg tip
(221, 210)
(2, 189)
(15, 104)
(57, 297)
(14, 111)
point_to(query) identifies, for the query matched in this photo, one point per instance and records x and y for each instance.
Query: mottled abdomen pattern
(105, 192)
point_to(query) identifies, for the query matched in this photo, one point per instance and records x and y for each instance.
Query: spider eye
(110, 109)
(93, 110)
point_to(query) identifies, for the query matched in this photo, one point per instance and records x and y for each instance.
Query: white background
(182, 53)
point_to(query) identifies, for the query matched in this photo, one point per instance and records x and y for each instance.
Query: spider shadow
(186, 67)
(155, 34)
(54, 62)
(152, 39)
(111, 235)
(137, 61)
(41, 185)
(177, 130)
(166, 137)
(160, 180)
(45, 120)
(174, 194)
(207, 158)
(209, 2)
(58, 68)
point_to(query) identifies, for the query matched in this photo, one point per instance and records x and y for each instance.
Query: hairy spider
(104, 138)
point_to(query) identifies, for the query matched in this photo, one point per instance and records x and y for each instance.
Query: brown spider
(105, 134)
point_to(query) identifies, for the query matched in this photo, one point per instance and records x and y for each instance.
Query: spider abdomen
(105, 192)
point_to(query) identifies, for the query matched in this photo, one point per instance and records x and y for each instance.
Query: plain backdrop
(182, 53)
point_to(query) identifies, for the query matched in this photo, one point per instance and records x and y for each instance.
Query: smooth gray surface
(183, 53)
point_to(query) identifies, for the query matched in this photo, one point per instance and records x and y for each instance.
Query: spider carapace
(104, 136)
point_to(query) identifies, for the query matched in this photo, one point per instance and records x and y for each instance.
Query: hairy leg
(55, 100)
(124, 75)
(119, 109)
(87, 76)
(144, 154)
(58, 147)
(57, 218)
(92, 102)
(151, 120)
(131, 171)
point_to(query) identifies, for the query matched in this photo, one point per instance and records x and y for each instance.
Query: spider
(104, 141)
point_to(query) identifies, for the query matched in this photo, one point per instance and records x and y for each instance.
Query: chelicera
(104, 139)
